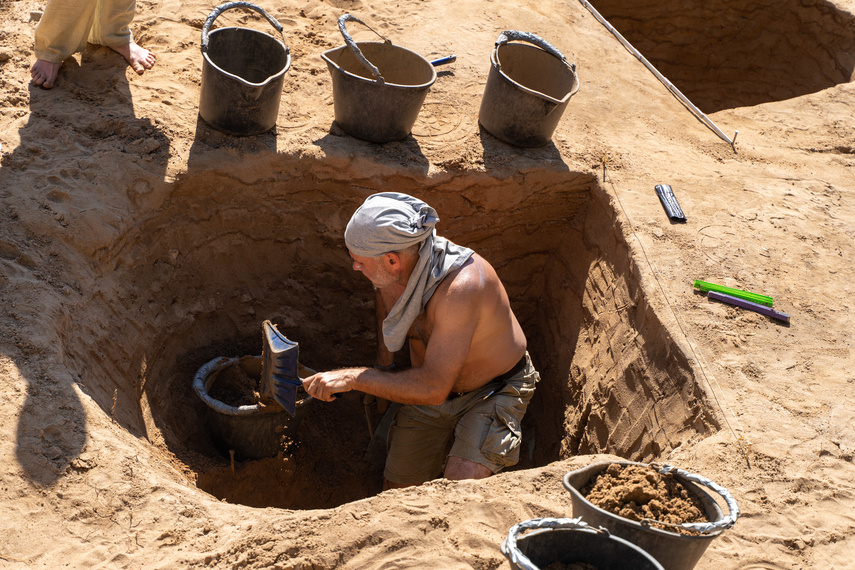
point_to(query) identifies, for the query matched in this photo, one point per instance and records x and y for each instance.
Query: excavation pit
(227, 250)
(729, 54)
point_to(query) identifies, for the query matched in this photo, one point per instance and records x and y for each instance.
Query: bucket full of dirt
(243, 71)
(661, 509)
(528, 88)
(237, 418)
(378, 87)
(559, 544)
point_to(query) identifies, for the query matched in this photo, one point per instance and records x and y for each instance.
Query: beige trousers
(67, 25)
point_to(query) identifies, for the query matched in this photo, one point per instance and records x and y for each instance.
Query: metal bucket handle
(515, 35)
(703, 528)
(230, 5)
(342, 26)
(509, 545)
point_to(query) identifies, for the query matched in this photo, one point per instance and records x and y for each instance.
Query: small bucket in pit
(528, 88)
(378, 87)
(243, 72)
(251, 431)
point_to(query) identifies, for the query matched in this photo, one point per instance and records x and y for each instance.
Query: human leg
(62, 31)
(111, 28)
(458, 468)
(416, 446)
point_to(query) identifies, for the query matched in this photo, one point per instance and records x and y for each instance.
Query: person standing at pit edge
(471, 378)
(67, 25)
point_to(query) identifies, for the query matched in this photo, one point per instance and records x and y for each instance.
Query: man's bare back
(497, 342)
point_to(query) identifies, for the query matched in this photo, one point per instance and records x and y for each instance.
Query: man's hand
(324, 385)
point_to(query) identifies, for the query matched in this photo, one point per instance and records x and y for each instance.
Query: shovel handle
(444, 60)
(342, 26)
(230, 5)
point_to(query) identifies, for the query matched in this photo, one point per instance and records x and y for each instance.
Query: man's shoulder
(470, 279)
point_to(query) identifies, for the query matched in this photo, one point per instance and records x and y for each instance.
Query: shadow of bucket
(571, 542)
(251, 431)
(674, 551)
(378, 87)
(528, 88)
(243, 72)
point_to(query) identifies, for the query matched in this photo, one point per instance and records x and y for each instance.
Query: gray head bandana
(389, 222)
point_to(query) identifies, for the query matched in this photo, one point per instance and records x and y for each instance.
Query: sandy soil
(137, 243)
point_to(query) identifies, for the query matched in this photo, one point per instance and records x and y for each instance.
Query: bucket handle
(230, 5)
(703, 528)
(342, 26)
(515, 35)
(509, 545)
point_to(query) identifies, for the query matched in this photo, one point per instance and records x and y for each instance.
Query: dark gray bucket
(674, 551)
(243, 72)
(571, 541)
(378, 87)
(253, 431)
(528, 88)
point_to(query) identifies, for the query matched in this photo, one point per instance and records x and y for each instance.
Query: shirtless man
(66, 25)
(471, 378)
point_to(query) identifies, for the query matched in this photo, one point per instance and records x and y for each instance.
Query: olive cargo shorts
(484, 425)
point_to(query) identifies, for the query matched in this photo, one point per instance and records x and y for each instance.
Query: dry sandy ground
(136, 243)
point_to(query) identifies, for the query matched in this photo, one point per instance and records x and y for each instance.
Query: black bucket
(243, 72)
(527, 90)
(571, 541)
(378, 87)
(251, 431)
(674, 551)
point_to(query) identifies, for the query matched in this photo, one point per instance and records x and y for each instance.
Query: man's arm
(454, 317)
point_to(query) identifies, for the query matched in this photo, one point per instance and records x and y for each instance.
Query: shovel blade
(279, 377)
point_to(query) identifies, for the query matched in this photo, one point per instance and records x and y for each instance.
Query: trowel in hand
(279, 377)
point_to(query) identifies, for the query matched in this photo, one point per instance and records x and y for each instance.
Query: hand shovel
(279, 377)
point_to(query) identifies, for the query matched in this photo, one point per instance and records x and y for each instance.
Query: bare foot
(139, 58)
(44, 73)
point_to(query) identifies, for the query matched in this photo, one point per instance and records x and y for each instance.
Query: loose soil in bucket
(234, 387)
(638, 492)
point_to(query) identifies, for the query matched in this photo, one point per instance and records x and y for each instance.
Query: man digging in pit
(471, 377)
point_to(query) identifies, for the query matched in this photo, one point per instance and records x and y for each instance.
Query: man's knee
(458, 468)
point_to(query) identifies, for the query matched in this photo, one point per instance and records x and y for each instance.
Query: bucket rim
(206, 375)
(601, 465)
(332, 64)
(241, 79)
(496, 64)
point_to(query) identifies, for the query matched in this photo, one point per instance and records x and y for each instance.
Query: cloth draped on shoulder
(389, 222)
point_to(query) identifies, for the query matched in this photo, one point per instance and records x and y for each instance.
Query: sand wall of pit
(726, 54)
(225, 250)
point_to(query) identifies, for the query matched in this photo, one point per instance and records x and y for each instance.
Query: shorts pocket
(501, 444)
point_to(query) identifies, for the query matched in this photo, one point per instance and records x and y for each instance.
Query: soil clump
(640, 492)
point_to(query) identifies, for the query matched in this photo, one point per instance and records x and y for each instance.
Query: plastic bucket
(674, 551)
(243, 72)
(378, 87)
(571, 541)
(528, 88)
(252, 431)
